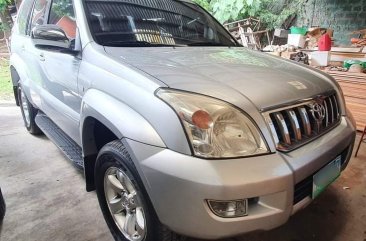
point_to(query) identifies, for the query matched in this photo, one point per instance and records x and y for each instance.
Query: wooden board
(354, 89)
(347, 50)
(341, 56)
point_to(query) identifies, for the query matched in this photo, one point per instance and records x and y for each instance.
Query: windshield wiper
(121, 43)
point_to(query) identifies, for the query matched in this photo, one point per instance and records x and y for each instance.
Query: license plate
(326, 176)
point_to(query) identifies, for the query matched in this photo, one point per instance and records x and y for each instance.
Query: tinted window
(39, 12)
(23, 15)
(62, 14)
(153, 23)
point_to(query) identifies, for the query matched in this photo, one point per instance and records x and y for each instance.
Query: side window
(23, 15)
(39, 13)
(62, 14)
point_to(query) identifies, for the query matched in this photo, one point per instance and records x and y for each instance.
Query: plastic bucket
(325, 43)
(297, 30)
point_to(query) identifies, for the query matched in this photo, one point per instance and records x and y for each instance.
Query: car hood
(263, 79)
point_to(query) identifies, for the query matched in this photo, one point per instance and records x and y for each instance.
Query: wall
(343, 16)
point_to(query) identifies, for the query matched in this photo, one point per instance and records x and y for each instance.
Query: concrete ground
(46, 198)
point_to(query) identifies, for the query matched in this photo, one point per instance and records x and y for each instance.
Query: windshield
(135, 23)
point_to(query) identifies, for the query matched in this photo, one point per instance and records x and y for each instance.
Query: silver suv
(179, 129)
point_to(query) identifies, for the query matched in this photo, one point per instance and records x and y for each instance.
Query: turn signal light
(202, 119)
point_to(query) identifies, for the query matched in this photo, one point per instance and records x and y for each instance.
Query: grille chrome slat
(294, 126)
(305, 120)
(281, 123)
(326, 114)
(331, 110)
(336, 106)
(273, 129)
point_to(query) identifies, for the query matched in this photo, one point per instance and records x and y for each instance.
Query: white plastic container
(296, 40)
(320, 58)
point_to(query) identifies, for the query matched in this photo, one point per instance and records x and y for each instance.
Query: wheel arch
(14, 75)
(94, 136)
(17, 73)
(15, 80)
(104, 119)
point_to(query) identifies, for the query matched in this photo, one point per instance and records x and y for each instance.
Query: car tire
(117, 181)
(2, 207)
(28, 113)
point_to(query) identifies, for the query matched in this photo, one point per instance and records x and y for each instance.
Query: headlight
(215, 128)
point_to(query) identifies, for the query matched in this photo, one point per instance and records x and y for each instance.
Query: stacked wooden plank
(359, 41)
(354, 89)
(340, 57)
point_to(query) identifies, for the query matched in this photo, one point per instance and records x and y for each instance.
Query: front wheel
(123, 199)
(28, 112)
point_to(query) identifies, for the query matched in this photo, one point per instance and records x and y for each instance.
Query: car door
(31, 14)
(60, 99)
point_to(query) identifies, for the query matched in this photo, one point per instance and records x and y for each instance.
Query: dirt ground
(46, 198)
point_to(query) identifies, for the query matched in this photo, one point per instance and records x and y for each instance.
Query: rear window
(154, 23)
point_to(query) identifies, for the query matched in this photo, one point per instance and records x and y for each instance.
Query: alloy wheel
(124, 204)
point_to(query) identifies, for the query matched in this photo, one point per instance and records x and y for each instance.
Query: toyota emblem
(318, 111)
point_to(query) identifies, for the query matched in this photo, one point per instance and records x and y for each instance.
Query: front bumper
(178, 185)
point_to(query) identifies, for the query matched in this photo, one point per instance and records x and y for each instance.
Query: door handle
(41, 57)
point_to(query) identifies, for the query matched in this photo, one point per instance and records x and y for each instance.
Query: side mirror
(50, 36)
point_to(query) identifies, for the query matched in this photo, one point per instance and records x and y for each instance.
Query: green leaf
(272, 13)
(216, 6)
(4, 4)
(239, 5)
(204, 3)
(249, 2)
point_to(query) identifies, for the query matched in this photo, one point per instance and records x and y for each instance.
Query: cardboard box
(297, 40)
(320, 58)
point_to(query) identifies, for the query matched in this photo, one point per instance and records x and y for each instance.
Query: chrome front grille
(298, 124)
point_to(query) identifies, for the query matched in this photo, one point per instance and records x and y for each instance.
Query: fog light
(229, 209)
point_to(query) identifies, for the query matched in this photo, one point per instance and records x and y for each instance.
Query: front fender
(121, 119)
(18, 71)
